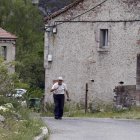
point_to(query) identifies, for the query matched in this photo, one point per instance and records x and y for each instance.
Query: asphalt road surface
(93, 129)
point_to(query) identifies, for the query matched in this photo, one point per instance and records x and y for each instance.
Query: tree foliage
(53, 5)
(7, 80)
(23, 19)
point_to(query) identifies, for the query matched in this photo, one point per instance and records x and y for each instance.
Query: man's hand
(54, 89)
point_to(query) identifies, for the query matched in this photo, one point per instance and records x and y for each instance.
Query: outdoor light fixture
(47, 28)
(52, 29)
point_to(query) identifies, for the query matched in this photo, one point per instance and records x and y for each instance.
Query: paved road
(93, 129)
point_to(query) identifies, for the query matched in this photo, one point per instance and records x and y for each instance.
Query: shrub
(35, 93)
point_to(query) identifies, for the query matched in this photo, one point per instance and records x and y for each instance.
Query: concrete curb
(43, 135)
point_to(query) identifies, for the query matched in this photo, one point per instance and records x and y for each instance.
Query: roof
(6, 35)
(66, 8)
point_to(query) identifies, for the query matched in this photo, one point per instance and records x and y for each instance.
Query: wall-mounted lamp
(47, 28)
(52, 29)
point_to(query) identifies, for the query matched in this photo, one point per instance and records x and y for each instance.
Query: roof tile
(6, 35)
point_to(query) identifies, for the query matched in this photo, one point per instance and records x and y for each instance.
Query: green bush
(4, 100)
(22, 130)
(35, 93)
(19, 124)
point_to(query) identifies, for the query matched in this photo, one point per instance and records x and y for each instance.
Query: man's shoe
(56, 118)
(60, 118)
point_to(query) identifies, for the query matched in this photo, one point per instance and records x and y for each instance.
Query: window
(3, 52)
(103, 38)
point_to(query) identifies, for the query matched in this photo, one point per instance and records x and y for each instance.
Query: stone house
(7, 47)
(95, 42)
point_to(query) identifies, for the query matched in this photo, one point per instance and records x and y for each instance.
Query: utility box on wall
(49, 58)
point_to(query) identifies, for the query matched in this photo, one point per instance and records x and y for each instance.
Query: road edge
(43, 135)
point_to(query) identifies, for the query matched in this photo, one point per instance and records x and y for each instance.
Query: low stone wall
(131, 90)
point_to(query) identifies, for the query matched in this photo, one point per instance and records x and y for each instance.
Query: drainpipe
(138, 73)
(48, 55)
(46, 48)
(138, 79)
(46, 63)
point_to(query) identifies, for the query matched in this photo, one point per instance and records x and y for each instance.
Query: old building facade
(7, 47)
(95, 42)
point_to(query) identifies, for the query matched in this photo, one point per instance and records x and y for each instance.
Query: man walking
(59, 89)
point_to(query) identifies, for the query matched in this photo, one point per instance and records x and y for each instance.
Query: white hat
(60, 78)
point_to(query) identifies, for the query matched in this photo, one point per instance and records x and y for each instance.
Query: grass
(107, 112)
(134, 113)
(19, 124)
(13, 129)
(22, 130)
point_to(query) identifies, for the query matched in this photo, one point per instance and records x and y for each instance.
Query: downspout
(46, 64)
(47, 45)
(138, 73)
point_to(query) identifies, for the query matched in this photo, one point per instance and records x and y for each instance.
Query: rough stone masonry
(100, 45)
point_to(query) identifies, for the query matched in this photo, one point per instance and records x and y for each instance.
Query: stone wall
(10, 55)
(78, 58)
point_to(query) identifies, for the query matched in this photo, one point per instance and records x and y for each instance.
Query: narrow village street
(92, 129)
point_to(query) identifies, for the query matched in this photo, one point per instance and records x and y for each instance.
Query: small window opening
(4, 52)
(103, 38)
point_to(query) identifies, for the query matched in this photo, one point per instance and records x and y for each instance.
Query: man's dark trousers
(58, 105)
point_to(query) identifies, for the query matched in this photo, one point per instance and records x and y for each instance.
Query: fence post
(86, 98)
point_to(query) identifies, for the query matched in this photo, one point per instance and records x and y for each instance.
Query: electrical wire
(135, 20)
